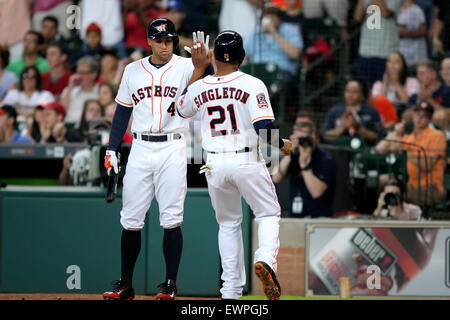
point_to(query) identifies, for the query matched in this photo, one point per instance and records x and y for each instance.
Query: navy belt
(246, 149)
(157, 138)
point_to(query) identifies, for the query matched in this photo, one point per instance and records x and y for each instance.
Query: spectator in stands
(353, 117)
(445, 71)
(53, 128)
(32, 42)
(232, 11)
(106, 94)
(15, 22)
(53, 8)
(376, 41)
(8, 132)
(427, 7)
(425, 173)
(58, 77)
(93, 43)
(49, 31)
(396, 85)
(111, 67)
(107, 14)
(312, 172)
(91, 110)
(278, 43)
(304, 116)
(433, 92)
(275, 42)
(30, 93)
(412, 30)
(137, 15)
(8, 79)
(82, 86)
(441, 26)
(294, 14)
(396, 206)
(34, 123)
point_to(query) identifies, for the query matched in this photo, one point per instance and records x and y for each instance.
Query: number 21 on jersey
(222, 117)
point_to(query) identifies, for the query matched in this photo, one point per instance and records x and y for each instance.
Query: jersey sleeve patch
(261, 101)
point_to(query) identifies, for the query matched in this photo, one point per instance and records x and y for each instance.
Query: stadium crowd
(61, 63)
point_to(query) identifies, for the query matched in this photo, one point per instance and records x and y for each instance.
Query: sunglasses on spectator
(29, 76)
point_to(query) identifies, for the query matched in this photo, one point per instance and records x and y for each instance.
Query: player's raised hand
(198, 36)
(201, 59)
(111, 162)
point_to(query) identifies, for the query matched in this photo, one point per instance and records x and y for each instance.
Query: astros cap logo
(162, 27)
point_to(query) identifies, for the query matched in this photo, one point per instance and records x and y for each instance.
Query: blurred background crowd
(363, 83)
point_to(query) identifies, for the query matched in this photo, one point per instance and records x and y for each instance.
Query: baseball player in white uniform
(157, 162)
(234, 107)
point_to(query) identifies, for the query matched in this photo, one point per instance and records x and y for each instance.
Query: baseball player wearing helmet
(157, 162)
(234, 108)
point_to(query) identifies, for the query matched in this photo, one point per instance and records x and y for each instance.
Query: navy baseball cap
(424, 106)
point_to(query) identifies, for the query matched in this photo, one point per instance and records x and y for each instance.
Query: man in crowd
(312, 173)
(425, 172)
(433, 92)
(58, 77)
(33, 42)
(82, 86)
(8, 132)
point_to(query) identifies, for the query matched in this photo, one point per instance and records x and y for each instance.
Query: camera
(392, 199)
(305, 141)
(98, 132)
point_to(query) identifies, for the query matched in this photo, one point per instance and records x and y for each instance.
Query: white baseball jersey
(228, 106)
(152, 93)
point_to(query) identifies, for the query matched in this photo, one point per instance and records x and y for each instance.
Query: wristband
(308, 167)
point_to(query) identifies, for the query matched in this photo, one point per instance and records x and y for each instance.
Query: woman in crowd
(396, 86)
(354, 117)
(92, 109)
(29, 94)
(106, 94)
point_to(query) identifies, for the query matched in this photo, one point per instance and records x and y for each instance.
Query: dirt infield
(64, 296)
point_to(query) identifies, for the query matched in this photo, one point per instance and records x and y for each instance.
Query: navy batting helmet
(162, 28)
(229, 47)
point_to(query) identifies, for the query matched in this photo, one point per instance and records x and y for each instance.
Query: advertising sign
(382, 261)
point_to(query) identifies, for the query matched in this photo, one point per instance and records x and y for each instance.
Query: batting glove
(199, 36)
(111, 162)
(206, 169)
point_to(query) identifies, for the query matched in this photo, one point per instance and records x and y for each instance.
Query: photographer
(391, 203)
(82, 168)
(312, 172)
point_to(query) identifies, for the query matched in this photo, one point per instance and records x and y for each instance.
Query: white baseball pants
(154, 169)
(231, 177)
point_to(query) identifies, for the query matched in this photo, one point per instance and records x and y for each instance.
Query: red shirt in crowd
(136, 32)
(55, 87)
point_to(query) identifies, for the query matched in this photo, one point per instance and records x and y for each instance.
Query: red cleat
(168, 290)
(120, 291)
